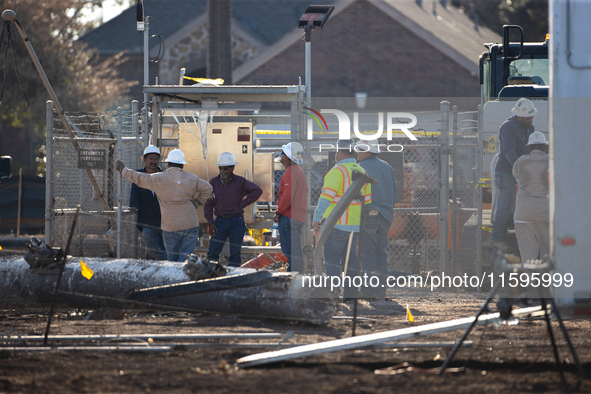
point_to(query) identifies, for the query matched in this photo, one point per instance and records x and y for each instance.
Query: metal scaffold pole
(444, 187)
(48, 171)
(479, 197)
(119, 180)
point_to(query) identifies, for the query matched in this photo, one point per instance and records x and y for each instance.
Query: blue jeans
(373, 244)
(232, 229)
(290, 233)
(152, 239)
(505, 206)
(335, 254)
(179, 244)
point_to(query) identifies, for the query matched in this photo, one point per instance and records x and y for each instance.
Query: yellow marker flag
(0, 247)
(409, 315)
(85, 271)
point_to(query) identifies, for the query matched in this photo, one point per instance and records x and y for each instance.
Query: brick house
(385, 48)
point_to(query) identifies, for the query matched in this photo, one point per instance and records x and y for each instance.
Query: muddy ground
(501, 358)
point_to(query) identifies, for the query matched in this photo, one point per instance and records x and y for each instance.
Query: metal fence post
(479, 159)
(454, 185)
(444, 187)
(119, 179)
(135, 109)
(48, 171)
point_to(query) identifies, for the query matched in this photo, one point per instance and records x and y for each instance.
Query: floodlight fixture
(315, 16)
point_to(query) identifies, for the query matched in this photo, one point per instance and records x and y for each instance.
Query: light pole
(314, 17)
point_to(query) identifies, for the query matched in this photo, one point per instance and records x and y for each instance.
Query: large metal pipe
(285, 298)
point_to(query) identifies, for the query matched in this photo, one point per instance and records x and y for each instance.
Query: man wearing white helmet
(532, 207)
(292, 205)
(513, 136)
(231, 194)
(144, 203)
(179, 193)
(377, 218)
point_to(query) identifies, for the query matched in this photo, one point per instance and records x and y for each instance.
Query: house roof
(120, 33)
(265, 20)
(447, 29)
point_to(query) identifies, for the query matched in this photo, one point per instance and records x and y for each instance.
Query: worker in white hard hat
(144, 203)
(179, 193)
(532, 206)
(292, 205)
(513, 136)
(377, 218)
(231, 194)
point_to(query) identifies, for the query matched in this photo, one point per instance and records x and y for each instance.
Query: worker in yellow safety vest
(340, 247)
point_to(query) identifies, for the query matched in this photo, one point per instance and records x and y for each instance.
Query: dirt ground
(500, 358)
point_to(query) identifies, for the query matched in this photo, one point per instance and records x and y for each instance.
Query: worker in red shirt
(292, 205)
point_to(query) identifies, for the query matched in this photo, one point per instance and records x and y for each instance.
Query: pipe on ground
(285, 298)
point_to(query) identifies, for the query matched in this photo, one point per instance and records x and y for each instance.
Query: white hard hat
(536, 138)
(524, 108)
(226, 159)
(368, 146)
(176, 156)
(295, 152)
(151, 149)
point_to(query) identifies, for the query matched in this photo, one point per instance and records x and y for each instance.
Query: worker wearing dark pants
(377, 218)
(231, 194)
(513, 136)
(144, 203)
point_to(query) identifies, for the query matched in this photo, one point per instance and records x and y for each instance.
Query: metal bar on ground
(203, 286)
(59, 279)
(422, 344)
(249, 335)
(113, 348)
(370, 339)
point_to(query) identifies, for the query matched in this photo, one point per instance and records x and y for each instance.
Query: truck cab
(514, 69)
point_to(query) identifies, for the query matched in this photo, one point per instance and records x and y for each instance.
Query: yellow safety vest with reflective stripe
(336, 183)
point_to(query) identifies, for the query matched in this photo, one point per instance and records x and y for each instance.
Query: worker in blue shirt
(377, 219)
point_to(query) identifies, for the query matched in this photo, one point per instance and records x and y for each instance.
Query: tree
(531, 15)
(80, 82)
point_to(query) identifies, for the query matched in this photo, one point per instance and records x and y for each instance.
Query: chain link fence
(414, 239)
(82, 172)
